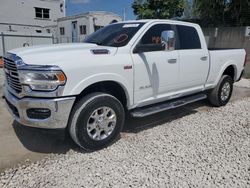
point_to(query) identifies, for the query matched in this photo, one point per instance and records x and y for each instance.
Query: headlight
(42, 80)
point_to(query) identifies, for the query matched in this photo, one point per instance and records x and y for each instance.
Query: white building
(30, 16)
(76, 28)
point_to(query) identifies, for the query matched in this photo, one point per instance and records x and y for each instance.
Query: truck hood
(55, 53)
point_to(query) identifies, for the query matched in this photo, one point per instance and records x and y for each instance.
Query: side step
(146, 111)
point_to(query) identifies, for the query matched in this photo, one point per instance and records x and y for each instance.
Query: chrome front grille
(11, 75)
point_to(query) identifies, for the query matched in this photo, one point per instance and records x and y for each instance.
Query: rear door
(194, 60)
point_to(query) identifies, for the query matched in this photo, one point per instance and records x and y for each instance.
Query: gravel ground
(205, 149)
(243, 83)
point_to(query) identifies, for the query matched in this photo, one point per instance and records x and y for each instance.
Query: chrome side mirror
(168, 40)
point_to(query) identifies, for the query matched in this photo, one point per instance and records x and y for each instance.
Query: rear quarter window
(188, 37)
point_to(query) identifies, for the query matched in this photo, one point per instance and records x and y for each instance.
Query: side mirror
(168, 40)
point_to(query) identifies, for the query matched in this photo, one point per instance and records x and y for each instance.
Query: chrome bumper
(60, 109)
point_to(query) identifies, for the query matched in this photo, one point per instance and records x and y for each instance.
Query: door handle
(172, 60)
(204, 58)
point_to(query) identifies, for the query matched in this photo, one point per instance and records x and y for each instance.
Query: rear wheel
(222, 93)
(96, 121)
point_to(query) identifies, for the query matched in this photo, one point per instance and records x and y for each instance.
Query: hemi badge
(128, 67)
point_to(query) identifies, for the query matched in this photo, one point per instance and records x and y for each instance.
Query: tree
(210, 12)
(162, 9)
(188, 10)
(239, 12)
(222, 12)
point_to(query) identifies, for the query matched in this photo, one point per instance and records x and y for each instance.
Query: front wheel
(222, 93)
(96, 121)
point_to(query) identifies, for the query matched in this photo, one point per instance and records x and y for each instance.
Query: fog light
(38, 113)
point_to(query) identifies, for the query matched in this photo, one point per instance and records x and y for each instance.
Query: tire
(96, 121)
(220, 96)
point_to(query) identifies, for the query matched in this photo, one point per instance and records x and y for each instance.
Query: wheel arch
(95, 81)
(108, 86)
(231, 71)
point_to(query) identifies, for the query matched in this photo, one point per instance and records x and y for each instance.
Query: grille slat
(9, 61)
(14, 81)
(12, 75)
(15, 76)
(15, 86)
(10, 67)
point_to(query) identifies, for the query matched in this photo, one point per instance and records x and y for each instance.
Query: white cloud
(80, 1)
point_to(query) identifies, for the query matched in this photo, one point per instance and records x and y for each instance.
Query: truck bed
(220, 58)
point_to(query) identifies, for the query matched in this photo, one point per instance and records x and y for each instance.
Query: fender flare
(93, 79)
(225, 66)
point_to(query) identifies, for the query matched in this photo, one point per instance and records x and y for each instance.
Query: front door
(74, 32)
(155, 71)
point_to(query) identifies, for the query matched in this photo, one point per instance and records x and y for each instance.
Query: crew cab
(134, 67)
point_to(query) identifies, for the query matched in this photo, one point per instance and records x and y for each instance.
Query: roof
(86, 14)
(160, 20)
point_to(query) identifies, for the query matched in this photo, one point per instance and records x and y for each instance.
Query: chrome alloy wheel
(225, 91)
(101, 123)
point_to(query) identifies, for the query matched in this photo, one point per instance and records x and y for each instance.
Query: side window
(42, 13)
(188, 38)
(83, 29)
(153, 35)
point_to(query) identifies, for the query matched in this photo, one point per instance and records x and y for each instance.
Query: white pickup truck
(141, 67)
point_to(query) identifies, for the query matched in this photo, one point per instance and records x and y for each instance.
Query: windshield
(116, 35)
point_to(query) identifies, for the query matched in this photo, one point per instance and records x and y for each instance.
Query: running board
(146, 111)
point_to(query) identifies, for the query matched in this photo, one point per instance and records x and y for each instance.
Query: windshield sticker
(121, 38)
(130, 25)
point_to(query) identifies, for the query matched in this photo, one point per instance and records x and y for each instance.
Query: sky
(115, 6)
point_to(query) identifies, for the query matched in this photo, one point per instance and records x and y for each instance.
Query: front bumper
(60, 109)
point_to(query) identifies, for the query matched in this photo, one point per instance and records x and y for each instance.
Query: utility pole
(124, 14)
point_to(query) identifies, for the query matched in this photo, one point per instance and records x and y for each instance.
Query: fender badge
(128, 67)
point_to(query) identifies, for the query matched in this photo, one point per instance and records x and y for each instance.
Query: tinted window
(62, 32)
(188, 38)
(116, 35)
(42, 13)
(45, 13)
(39, 13)
(153, 35)
(83, 29)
